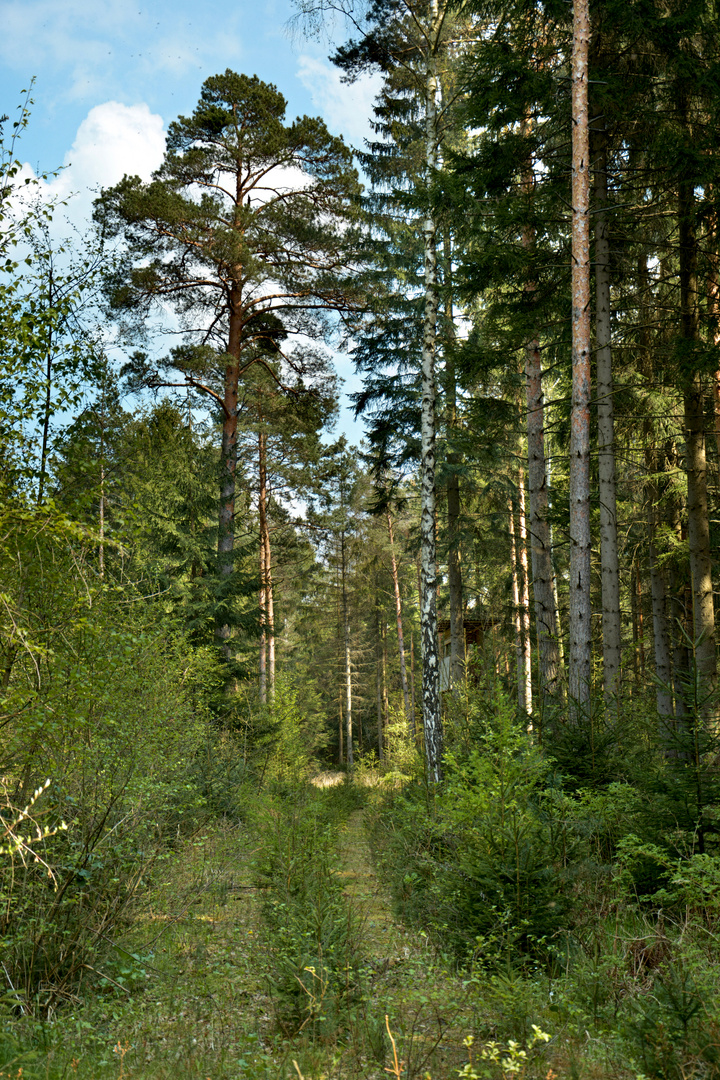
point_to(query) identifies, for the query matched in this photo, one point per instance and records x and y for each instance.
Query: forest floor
(187, 994)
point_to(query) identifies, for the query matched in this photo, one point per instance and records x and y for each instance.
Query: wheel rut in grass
(427, 1005)
(364, 889)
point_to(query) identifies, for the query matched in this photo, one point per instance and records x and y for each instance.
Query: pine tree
(244, 231)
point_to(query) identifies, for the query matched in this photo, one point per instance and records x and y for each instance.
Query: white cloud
(113, 139)
(346, 107)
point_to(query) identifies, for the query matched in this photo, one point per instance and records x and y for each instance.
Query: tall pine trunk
(262, 517)
(579, 584)
(610, 573)
(349, 752)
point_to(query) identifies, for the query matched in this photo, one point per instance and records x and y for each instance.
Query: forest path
(364, 889)
(428, 1006)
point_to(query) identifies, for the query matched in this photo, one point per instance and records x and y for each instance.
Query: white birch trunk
(524, 585)
(432, 723)
(401, 639)
(349, 750)
(517, 621)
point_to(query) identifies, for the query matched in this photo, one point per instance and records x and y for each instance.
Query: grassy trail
(187, 995)
(428, 1007)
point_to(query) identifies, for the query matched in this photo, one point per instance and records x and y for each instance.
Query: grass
(184, 997)
(187, 994)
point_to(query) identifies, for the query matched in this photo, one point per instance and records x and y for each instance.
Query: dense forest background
(496, 617)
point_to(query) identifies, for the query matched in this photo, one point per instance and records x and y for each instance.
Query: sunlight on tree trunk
(580, 612)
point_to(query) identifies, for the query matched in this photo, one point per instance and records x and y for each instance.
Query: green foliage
(298, 730)
(491, 867)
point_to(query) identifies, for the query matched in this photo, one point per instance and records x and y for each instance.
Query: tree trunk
(412, 681)
(270, 610)
(680, 595)
(455, 583)
(348, 666)
(262, 516)
(341, 731)
(524, 584)
(540, 542)
(432, 724)
(263, 631)
(385, 695)
(610, 574)
(658, 591)
(714, 308)
(635, 626)
(378, 680)
(579, 587)
(401, 640)
(695, 459)
(228, 465)
(47, 411)
(101, 508)
(517, 620)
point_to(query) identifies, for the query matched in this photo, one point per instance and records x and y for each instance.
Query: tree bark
(262, 517)
(401, 640)
(378, 680)
(695, 457)
(412, 681)
(432, 723)
(263, 632)
(540, 541)
(658, 592)
(579, 591)
(517, 621)
(385, 695)
(349, 752)
(228, 464)
(524, 584)
(714, 309)
(609, 563)
(455, 582)
(635, 627)
(47, 411)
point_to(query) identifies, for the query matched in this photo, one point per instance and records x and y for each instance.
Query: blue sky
(111, 74)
